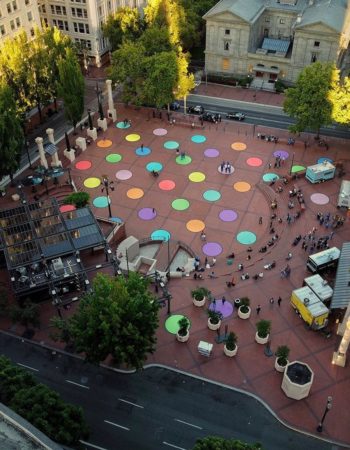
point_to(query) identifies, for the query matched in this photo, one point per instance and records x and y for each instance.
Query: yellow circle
(195, 225)
(92, 182)
(135, 193)
(104, 143)
(133, 137)
(239, 146)
(242, 186)
(196, 177)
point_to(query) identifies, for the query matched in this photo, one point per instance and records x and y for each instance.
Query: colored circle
(135, 193)
(225, 308)
(281, 153)
(160, 235)
(147, 213)
(238, 146)
(211, 153)
(171, 145)
(92, 182)
(195, 225)
(212, 249)
(83, 165)
(67, 208)
(113, 158)
(228, 215)
(268, 177)
(198, 139)
(172, 323)
(246, 237)
(196, 177)
(100, 202)
(123, 125)
(160, 132)
(211, 195)
(242, 186)
(323, 159)
(254, 162)
(298, 168)
(133, 137)
(319, 199)
(180, 204)
(156, 166)
(104, 143)
(143, 151)
(183, 161)
(166, 185)
(116, 219)
(123, 174)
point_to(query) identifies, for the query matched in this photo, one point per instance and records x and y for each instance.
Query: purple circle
(228, 215)
(123, 174)
(282, 153)
(160, 132)
(212, 249)
(147, 214)
(226, 309)
(211, 153)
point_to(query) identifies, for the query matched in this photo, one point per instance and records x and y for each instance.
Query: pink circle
(166, 185)
(83, 165)
(254, 162)
(160, 132)
(67, 208)
(123, 174)
(319, 199)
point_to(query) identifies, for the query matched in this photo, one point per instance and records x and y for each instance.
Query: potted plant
(263, 328)
(244, 310)
(281, 361)
(230, 347)
(183, 334)
(200, 295)
(214, 320)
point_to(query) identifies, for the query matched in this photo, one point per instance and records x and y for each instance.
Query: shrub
(78, 199)
(231, 341)
(184, 324)
(244, 305)
(200, 293)
(263, 327)
(214, 316)
(280, 86)
(282, 354)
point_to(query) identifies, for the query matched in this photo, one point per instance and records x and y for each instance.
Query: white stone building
(17, 14)
(270, 39)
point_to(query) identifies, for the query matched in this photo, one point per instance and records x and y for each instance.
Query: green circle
(298, 168)
(113, 158)
(246, 237)
(180, 204)
(171, 145)
(211, 195)
(268, 177)
(172, 323)
(183, 161)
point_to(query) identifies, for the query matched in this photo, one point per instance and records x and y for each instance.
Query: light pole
(99, 100)
(291, 166)
(328, 408)
(106, 185)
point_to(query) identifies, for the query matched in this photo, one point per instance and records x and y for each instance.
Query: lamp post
(107, 185)
(328, 408)
(99, 100)
(292, 163)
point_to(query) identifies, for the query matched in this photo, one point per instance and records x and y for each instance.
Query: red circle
(254, 162)
(67, 208)
(83, 165)
(166, 185)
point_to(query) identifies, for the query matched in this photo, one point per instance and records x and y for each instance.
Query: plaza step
(166, 252)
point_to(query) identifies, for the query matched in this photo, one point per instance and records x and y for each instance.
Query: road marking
(130, 403)
(189, 424)
(28, 367)
(77, 384)
(117, 425)
(173, 446)
(92, 445)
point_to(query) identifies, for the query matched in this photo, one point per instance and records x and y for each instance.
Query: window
(61, 24)
(12, 25)
(225, 64)
(0, 14)
(18, 22)
(79, 12)
(2, 30)
(267, 19)
(314, 57)
(84, 43)
(45, 21)
(282, 21)
(226, 46)
(32, 32)
(9, 9)
(266, 32)
(43, 9)
(80, 27)
(100, 10)
(227, 32)
(14, 5)
(30, 16)
(316, 43)
(26, 2)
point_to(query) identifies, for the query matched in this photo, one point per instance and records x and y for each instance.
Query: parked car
(198, 109)
(235, 116)
(209, 117)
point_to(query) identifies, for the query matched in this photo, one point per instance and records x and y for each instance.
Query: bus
(323, 260)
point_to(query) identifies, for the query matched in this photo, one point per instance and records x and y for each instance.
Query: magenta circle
(123, 174)
(212, 249)
(147, 214)
(226, 309)
(211, 153)
(281, 153)
(228, 215)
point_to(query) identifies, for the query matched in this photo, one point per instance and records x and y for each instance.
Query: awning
(341, 292)
(266, 69)
(275, 45)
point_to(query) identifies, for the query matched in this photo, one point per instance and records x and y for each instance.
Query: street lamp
(328, 408)
(106, 185)
(292, 163)
(26, 144)
(99, 100)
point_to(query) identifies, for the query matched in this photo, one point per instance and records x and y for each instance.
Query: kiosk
(320, 172)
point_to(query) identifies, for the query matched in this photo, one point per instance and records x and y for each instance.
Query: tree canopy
(125, 24)
(339, 97)
(219, 443)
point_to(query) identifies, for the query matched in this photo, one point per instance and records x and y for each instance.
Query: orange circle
(104, 143)
(135, 193)
(239, 146)
(242, 186)
(195, 225)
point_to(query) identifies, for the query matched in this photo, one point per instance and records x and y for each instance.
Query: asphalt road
(156, 408)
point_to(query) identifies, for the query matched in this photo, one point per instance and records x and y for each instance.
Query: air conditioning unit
(58, 267)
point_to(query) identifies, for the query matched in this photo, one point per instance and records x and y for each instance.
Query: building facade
(18, 14)
(275, 39)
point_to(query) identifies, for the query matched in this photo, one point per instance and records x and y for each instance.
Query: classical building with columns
(275, 39)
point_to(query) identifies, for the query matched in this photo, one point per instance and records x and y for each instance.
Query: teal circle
(268, 177)
(246, 237)
(122, 126)
(143, 152)
(198, 139)
(180, 204)
(157, 166)
(100, 202)
(171, 145)
(211, 195)
(161, 235)
(183, 161)
(114, 158)
(172, 323)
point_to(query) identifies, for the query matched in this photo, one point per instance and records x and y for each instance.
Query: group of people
(225, 167)
(329, 221)
(267, 138)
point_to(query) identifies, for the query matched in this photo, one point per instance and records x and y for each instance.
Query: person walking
(272, 301)
(279, 300)
(260, 220)
(258, 309)
(142, 148)
(223, 300)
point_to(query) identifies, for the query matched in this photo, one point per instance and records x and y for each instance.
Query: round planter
(261, 340)
(184, 338)
(199, 303)
(230, 353)
(237, 302)
(243, 315)
(214, 326)
(278, 367)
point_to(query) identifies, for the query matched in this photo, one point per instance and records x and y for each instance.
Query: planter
(261, 340)
(278, 367)
(199, 303)
(230, 353)
(214, 326)
(237, 302)
(184, 338)
(243, 315)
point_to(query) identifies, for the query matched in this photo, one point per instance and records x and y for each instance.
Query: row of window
(12, 7)
(15, 23)
(62, 11)
(63, 25)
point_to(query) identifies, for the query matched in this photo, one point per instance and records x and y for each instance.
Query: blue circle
(171, 145)
(198, 139)
(321, 160)
(122, 125)
(116, 219)
(161, 235)
(268, 177)
(157, 166)
(246, 237)
(211, 195)
(100, 202)
(143, 152)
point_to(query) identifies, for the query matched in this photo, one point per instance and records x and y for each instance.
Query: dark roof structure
(341, 292)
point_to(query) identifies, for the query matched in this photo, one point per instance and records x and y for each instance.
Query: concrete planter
(184, 338)
(278, 367)
(199, 303)
(214, 326)
(230, 353)
(243, 315)
(261, 340)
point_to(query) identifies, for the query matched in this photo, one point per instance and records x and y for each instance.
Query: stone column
(112, 112)
(43, 161)
(339, 357)
(55, 160)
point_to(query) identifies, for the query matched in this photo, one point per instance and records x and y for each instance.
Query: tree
(219, 443)
(339, 97)
(308, 101)
(27, 315)
(71, 87)
(125, 24)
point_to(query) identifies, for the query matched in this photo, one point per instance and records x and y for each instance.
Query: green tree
(71, 87)
(78, 199)
(219, 443)
(125, 24)
(12, 380)
(27, 315)
(155, 40)
(339, 96)
(308, 101)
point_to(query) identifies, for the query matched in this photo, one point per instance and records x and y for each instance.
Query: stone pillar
(102, 123)
(81, 142)
(55, 160)
(92, 133)
(43, 161)
(69, 154)
(112, 112)
(339, 357)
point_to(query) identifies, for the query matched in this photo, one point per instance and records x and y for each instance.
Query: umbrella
(67, 142)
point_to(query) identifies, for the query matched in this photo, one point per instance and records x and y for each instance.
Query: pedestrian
(177, 152)
(269, 165)
(203, 236)
(233, 281)
(331, 235)
(142, 148)
(213, 262)
(222, 166)
(249, 257)
(258, 309)
(260, 220)
(272, 301)
(205, 261)
(153, 211)
(214, 302)
(223, 300)
(212, 275)
(279, 300)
